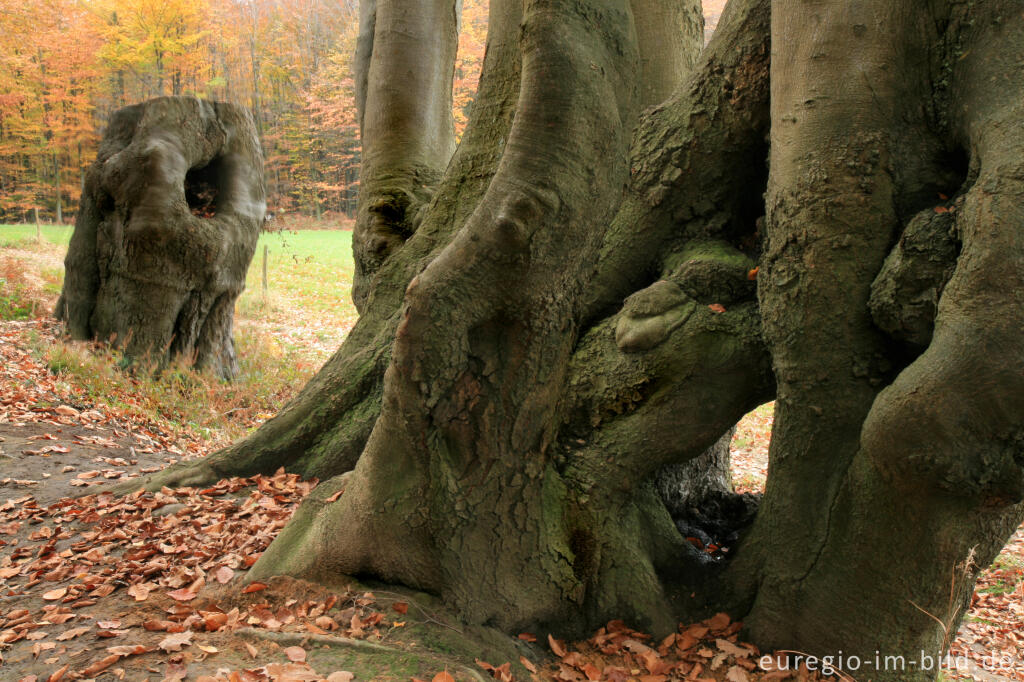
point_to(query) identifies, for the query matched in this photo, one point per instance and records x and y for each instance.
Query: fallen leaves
(175, 641)
(140, 591)
(55, 594)
(295, 654)
(617, 652)
(133, 546)
(557, 646)
(501, 672)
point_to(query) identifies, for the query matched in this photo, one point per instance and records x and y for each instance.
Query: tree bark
(170, 215)
(404, 67)
(895, 474)
(576, 311)
(670, 35)
(323, 430)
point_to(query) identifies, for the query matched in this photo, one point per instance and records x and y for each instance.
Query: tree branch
(691, 170)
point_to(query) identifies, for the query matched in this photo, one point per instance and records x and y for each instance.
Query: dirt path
(51, 460)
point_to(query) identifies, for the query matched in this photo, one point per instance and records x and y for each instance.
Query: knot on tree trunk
(905, 294)
(171, 212)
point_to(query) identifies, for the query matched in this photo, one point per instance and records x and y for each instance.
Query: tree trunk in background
(404, 65)
(671, 35)
(573, 314)
(171, 212)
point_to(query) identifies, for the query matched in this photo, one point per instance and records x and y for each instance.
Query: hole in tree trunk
(203, 188)
(719, 522)
(716, 519)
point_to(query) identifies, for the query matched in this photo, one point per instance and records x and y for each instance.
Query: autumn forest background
(67, 65)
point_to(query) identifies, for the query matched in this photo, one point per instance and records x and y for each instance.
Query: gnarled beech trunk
(582, 305)
(171, 212)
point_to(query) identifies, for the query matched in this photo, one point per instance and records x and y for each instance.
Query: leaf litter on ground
(68, 605)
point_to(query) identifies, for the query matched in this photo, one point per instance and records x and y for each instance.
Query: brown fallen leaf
(557, 646)
(340, 676)
(101, 665)
(737, 674)
(55, 594)
(214, 620)
(103, 590)
(732, 649)
(400, 607)
(443, 676)
(71, 634)
(129, 650)
(58, 674)
(253, 651)
(223, 575)
(528, 664)
(326, 623)
(184, 594)
(254, 587)
(174, 672)
(719, 621)
(176, 640)
(295, 654)
(140, 591)
(40, 647)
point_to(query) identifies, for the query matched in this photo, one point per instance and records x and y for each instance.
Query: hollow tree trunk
(573, 314)
(168, 224)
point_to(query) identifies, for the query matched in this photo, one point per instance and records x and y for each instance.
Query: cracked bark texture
(171, 211)
(581, 306)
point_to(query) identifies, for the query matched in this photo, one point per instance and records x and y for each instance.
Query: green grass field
(302, 263)
(311, 269)
(282, 337)
(18, 235)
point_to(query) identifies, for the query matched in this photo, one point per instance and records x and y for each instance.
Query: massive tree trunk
(578, 306)
(893, 305)
(168, 224)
